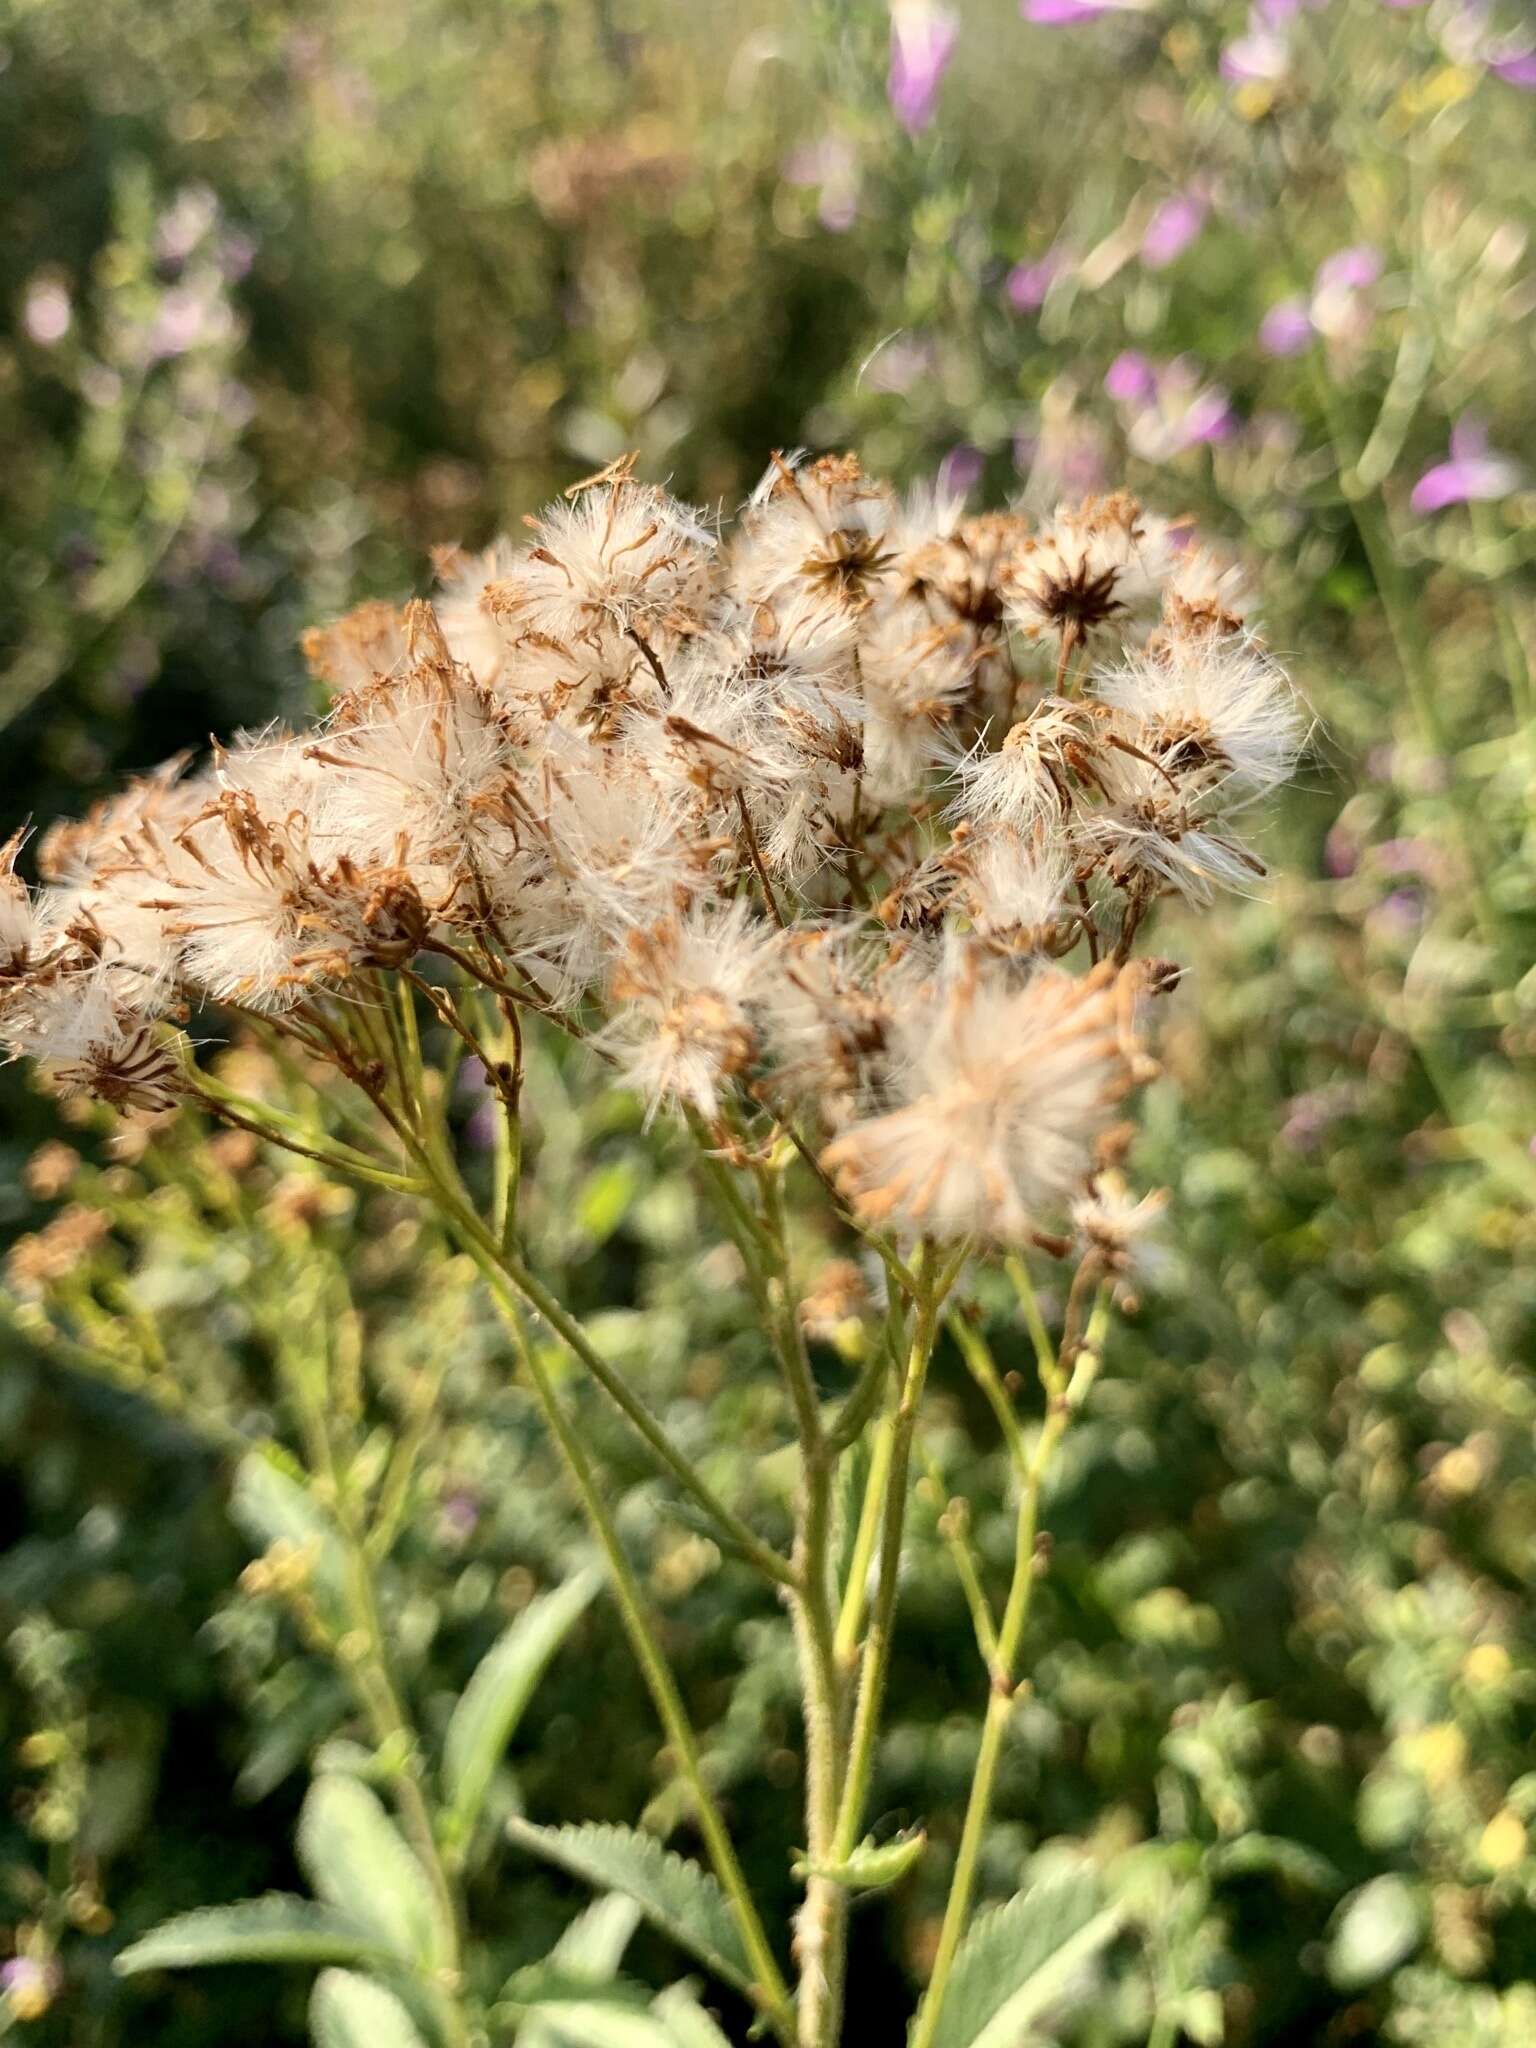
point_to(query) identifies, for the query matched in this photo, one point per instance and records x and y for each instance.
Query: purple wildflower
(1258, 58)
(1352, 269)
(960, 471)
(1064, 13)
(923, 39)
(1338, 308)
(1517, 69)
(1130, 377)
(1172, 228)
(1286, 328)
(1028, 283)
(1473, 473)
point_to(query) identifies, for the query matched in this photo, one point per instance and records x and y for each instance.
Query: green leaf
(278, 1928)
(556, 2008)
(1019, 1958)
(1292, 1861)
(492, 1703)
(537, 1985)
(1376, 1928)
(597, 2025)
(593, 1946)
(684, 1901)
(689, 2025)
(872, 1865)
(355, 1858)
(349, 2011)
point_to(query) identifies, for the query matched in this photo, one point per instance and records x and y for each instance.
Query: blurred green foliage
(288, 297)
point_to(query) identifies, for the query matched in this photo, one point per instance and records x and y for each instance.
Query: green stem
(848, 1423)
(850, 1620)
(875, 1663)
(367, 1665)
(821, 1924)
(1066, 1381)
(734, 1530)
(772, 1990)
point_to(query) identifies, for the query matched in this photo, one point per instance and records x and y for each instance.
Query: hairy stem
(821, 1924)
(365, 1661)
(773, 1992)
(875, 1663)
(1065, 1379)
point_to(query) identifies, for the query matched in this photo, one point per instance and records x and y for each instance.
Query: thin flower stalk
(1065, 1385)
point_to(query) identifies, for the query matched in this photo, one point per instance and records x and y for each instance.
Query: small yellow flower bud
(1503, 1842)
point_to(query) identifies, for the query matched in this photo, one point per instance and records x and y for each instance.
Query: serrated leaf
(277, 1928)
(355, 1858)
(593, 1945)
(596, 2025)
(271, 1505)
(1019, 1958)
(685, 2020)
(491, 1705)
(684, 1901)
(349, 2011)
(542, 1984)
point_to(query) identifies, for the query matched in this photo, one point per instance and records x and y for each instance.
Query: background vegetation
(289, 297)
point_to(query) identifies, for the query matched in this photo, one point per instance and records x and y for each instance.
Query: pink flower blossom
(1352, 269)
(1064, 13)
(1172, 228)
(1028, 283)
(1473, 473)
(1338, 307)
(1176, 411)
(1286, 328)
(960, 471)
(1517, 69)
(1258, 58)
(1130, 377)
(923, 39)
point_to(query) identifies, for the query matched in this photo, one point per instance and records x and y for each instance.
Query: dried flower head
(999, 1096)
(791, 826)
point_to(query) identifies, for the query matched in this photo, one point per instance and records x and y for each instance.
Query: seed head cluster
(850, 815)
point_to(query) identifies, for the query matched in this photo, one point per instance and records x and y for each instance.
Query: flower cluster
(849, 816)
